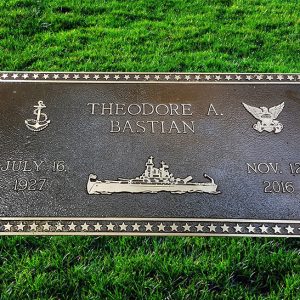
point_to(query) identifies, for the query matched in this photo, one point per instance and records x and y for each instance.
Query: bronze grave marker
(149, 154)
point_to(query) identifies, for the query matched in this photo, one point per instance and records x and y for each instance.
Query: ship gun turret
(187, 179)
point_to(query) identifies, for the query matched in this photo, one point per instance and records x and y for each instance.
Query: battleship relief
(152, 181)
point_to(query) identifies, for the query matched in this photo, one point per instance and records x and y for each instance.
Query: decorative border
(149, 227)
(133, 77)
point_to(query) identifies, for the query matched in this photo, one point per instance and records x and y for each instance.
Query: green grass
(150, 35)
(149, 268)
(210, 36)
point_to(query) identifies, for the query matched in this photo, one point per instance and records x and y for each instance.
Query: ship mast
(149, 167)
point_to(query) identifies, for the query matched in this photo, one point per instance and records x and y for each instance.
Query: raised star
(197, 77)
(212, 227)
(72, 226)
(97, 227)
(218, 77)
(136, 227)
(33, 226)
(46, 226)
(186, 227)
(117, 77)
(148, 227)
(147, 77)
(35, 76)
(177, 77)
(45, 76)
(249, 77)
(259, 77)
(251, 228)
(187, 77)
(225, 228)
(25, 76)
(238, 77)
(157, 77)
(199, 227)
(7, 226)
(269, 77)
(228, 77)
(280, 77)
(276, 229)
(66, 76)
(86, 76)
(289, 229)
(161, 227)
(106, 77)
(110, 226)
(238, 228)
(174, 227)
(126, 77)
(20, 226)
(14, 76)
(290, 77)
(55, 76)
(5, 75)
(263, 228)
(167, 77)
(96, 76)
(85, 226)
(76, 76)
(123, 226)
(136, 77)
(59, 226)
(207, 77)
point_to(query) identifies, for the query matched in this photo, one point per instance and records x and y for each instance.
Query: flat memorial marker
(150, 154)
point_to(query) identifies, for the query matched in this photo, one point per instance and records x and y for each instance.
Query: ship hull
(102, 187)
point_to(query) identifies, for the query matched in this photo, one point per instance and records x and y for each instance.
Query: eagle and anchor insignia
(41, 121)
(267, 117)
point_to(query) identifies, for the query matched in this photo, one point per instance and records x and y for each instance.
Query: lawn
(164, 36)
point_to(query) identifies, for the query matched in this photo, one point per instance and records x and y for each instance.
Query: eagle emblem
(267, 117)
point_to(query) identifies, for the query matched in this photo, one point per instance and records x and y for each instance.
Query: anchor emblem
(41, 121)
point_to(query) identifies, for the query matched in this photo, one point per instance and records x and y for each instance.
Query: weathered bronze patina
(150, 154)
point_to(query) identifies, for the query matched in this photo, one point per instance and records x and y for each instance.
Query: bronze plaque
(150, 154)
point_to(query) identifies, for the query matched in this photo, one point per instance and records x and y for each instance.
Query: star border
(148, 227)
(150, 77)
